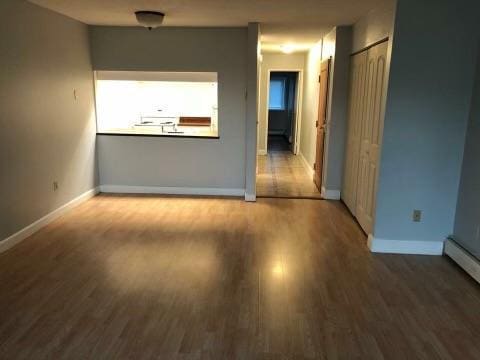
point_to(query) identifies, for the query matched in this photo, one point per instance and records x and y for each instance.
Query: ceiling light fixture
(287, 48)
(150, 19)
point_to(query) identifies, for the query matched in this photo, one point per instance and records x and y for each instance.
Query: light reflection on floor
(155, 266)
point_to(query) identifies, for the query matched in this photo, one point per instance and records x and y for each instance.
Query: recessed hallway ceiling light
(287, 48)
(150, 19)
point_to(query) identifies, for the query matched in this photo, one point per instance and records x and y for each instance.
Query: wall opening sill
(168, 135)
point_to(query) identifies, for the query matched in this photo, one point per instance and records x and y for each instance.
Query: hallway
(283, 174)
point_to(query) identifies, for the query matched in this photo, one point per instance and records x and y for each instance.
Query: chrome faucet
(166, 123)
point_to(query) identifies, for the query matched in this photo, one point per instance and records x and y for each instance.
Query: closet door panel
(371, 136)
(355, 119)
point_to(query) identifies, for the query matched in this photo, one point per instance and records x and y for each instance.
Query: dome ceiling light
(150, 19)
(287, 48)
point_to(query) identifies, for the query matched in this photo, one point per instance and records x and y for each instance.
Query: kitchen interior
(182, 104)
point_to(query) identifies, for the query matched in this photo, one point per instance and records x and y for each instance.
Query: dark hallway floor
(278, 143)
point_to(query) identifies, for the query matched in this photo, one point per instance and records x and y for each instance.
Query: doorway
(281, 172)
(282, 111)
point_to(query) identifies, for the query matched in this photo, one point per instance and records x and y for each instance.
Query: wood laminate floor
(124, 277)
(283, 174)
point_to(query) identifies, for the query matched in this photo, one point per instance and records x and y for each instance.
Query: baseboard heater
(463, 258)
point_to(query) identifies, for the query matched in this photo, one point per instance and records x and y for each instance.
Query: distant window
(277, 94)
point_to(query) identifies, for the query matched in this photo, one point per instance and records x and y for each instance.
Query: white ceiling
(302, 22)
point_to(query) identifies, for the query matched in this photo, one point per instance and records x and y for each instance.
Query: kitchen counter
(182, 131)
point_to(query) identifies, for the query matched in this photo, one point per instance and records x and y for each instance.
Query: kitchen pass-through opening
(157, 103)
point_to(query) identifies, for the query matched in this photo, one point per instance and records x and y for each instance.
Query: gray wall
(337, 45)
(45, 134)
(431, 79)
(176, 162)
(252, 109)
(339, 40)
(467, 220)
(308, 131)
(376, 25)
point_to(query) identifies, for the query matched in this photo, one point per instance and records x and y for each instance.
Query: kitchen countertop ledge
(184, 136)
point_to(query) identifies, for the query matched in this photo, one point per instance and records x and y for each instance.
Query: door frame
(329, 61)
(298, 107)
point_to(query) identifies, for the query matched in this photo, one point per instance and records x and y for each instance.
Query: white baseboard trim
(126, 189)
(262, 152)
(329, 194)
(466, 261)
(21, 235)
(250, 197)
(408, 247)
(306, 164)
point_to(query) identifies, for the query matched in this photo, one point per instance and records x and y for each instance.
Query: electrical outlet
(55, 185)
(417, 215)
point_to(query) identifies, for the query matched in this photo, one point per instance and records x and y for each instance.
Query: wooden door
(356, 107)
(321, 122)
(371, 136)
